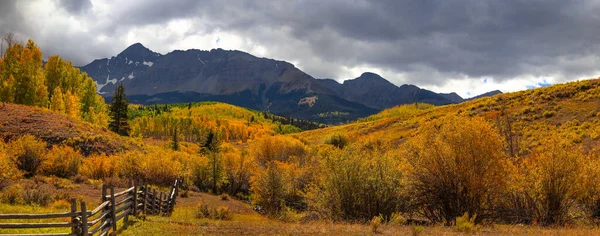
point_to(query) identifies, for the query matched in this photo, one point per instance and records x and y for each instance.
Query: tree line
(57, 84)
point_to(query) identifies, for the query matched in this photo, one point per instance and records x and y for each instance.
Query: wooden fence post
(135, 193)
(160, 204)
(112, 208)
(145, 199)
(75, 228)
(84, 222)
(154, 201)
(106, 208)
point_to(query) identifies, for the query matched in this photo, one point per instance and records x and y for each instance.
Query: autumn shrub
(62, 161)
(12, 194)
(459, 166)
(359, 182)
(588, 186)
(277, 148)
(223, 213)
(200, 173)
(28, 154)
(99, 166)
(129, 164)
(61, 205)
(397, 219)
(267, 189)
(220, 213)
(465, 223)
(38, 194)
(550, 179)
(375, 224)
(279, 174)
(159, 166)
(238, 169)
(339, 140)
(202, 211)
(9, 169)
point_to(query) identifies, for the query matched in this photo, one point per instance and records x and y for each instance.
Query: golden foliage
(459, 166)
(99, 166)
(28, 154)
(62, 161)
(25, 80)
(8, 167)
(359, 182)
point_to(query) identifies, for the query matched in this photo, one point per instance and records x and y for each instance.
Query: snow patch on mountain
(131, 76)
(100, 86)
(148, 63)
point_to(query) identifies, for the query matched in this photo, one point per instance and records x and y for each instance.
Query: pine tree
(118, 112)
(175, 144)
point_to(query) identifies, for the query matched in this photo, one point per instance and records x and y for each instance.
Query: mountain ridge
(243, 79)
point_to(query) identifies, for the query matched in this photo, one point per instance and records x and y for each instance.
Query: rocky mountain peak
(137, 52)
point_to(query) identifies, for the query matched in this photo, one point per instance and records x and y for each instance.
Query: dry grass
(247, 222)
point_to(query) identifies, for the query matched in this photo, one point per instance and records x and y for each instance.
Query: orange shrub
(161, 166)
(276, 148)
(28, 154)
(62, 161)
(9, 169)
(99, 166)
(459, 166)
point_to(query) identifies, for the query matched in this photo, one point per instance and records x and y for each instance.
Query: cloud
(76, 6)
(435, 44)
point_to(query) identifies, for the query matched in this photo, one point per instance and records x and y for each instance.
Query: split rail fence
(102, 220)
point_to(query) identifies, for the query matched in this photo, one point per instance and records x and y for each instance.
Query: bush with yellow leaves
(62, 161)
(359, 182)
(28, 154)
(9, 169)
(99, 166)
(459, 166)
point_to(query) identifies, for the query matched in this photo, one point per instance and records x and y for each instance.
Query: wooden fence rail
(102, 220)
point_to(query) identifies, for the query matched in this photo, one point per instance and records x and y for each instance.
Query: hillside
(570, 110)
(194, 121)
(54, 129)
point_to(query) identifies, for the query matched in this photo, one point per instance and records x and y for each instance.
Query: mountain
(488, 94)
(242, 79)
(454, 97)
(374, 91)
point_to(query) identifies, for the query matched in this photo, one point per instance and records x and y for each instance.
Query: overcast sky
(469, 47)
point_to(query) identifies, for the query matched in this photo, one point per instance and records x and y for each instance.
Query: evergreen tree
(118, 112)
(189, 106)
(212, 142)
(175, 144)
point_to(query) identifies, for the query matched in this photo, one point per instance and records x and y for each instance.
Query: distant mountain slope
(488, 94)
(374, 91)
(568, 110)
(453, 97)
(242, 79)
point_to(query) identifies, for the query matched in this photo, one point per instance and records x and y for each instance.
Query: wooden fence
(102, 220)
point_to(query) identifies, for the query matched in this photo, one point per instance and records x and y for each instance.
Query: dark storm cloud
(76, 6)
(501, 39)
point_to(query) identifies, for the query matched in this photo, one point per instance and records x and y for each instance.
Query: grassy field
(246, 221)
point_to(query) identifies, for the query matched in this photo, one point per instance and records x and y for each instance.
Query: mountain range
(242, 79)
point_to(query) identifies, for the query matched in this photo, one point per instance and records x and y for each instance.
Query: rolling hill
(569, 110)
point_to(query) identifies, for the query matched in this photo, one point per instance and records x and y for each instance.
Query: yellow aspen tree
(57, 102)
(72, 105)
